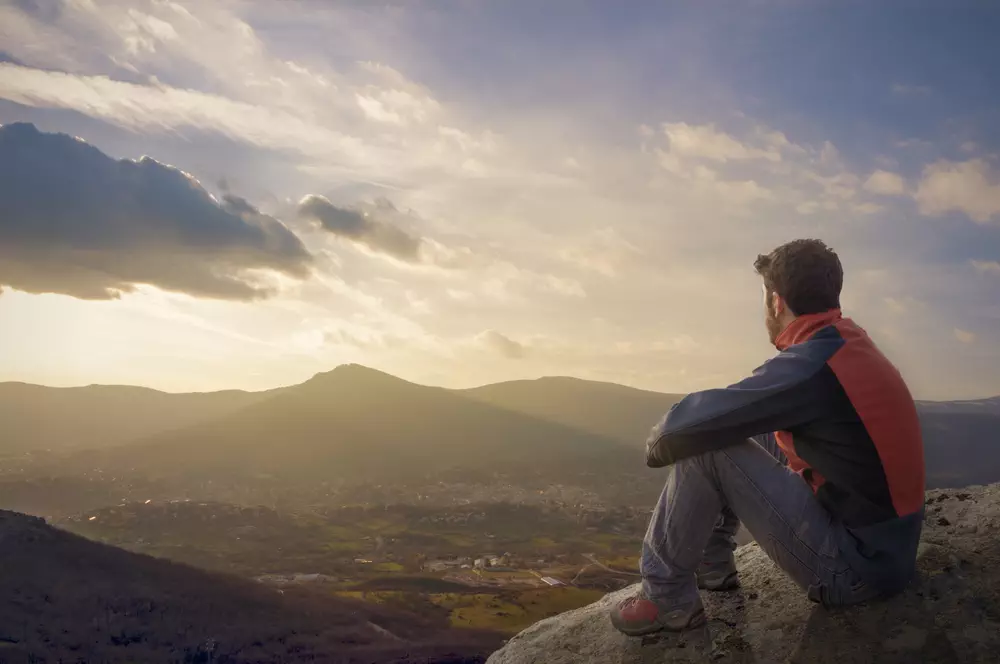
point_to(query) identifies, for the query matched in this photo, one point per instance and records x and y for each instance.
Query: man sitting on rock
(835, 497)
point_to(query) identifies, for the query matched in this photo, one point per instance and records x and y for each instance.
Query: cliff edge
(950, 612)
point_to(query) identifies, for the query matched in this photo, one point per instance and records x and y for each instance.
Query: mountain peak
(352, 375)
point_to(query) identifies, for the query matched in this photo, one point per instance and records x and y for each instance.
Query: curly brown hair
(807, 275)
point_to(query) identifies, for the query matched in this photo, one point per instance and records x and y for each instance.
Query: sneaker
(638, 615)
(718, 576)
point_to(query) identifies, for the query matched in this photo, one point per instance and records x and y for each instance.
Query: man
(835, 497)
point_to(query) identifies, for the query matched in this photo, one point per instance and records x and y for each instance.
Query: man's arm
(784, 392)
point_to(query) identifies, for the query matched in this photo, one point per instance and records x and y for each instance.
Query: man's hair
(807, 275)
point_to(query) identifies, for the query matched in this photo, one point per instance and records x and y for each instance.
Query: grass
(543, 542)
(627, 563)
(462, 541)
(509, 612)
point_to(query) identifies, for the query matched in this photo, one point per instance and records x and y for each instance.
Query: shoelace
(631, 601)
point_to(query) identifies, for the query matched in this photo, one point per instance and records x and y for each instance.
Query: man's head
(800, 277)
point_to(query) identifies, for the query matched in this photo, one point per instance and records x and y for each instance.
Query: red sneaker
(638, 615)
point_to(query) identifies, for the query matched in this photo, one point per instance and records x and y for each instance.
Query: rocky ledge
(950, 612)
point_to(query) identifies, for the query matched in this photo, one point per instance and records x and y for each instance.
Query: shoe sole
(731, 582)
(696, 621)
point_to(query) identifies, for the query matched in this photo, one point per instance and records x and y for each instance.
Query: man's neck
(803, 327)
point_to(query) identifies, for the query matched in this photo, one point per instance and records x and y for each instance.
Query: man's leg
(775, 504)
(718, 566)
(717, 570)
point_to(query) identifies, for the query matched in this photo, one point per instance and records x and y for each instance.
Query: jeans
(705, 499)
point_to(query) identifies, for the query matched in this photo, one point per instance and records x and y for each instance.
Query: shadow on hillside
(901, 630)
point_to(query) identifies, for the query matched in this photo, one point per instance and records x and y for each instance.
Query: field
(507, 611)
(417, 560)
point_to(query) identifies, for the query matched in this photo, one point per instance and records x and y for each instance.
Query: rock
(949, 613)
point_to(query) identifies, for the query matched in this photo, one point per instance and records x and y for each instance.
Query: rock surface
(950, 612)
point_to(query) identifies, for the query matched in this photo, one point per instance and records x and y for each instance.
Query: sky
(240, 194)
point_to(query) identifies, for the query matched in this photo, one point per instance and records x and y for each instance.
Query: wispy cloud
(971, 187)
(986, 267)
(502, 344)
(964, 336)
(885, 183)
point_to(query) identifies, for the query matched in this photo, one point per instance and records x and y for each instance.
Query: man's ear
(778, 304)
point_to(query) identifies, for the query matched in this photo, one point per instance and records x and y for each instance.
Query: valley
(489, 508)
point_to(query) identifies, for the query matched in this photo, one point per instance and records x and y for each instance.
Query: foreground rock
(950, 613)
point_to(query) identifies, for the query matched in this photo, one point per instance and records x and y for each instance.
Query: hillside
(357, 423)
(54, 418)
(949, 613)
(607, 409)
(64, 598)
(357, 426)
(961, 438)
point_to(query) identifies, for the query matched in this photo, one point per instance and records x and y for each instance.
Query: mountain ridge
(354, 422)
(67, 597)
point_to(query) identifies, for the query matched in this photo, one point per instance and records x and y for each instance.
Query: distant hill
(354, 422)
(65, 598)
(961, 438)
(61, 418)
(358, 424)
(614, 411)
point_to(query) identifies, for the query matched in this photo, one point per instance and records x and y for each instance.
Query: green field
(510, 612)
(505, 611)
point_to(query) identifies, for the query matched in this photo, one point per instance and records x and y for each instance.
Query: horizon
(473, 386)
(236, 195)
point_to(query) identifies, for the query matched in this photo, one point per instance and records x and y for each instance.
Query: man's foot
(718, 576)
(638, 615)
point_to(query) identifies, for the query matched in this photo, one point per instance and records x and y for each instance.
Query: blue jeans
(705, 499)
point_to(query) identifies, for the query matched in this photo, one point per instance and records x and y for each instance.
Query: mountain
(359, 423)
(355, 424)
(961, 438)
(613, 411)
(54, 418)
(65, 598)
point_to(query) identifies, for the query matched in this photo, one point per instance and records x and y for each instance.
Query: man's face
(771, 315)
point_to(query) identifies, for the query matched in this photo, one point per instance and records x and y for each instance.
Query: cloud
(707, 142)
(502, 344)
(968, 186)
(604, 251)
(362, 227)
(77, 222)
(986, 267)
(964, 337)
(902, 305)
(885, 183)
(759, 167)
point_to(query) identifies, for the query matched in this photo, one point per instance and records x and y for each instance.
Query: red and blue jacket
(847, 423)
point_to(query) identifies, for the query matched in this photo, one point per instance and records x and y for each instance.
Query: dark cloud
(365, 228)
(77, 222)
(44, 10)
(8, 58)
(503, 344)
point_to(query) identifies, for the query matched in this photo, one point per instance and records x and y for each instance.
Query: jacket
(847, 424)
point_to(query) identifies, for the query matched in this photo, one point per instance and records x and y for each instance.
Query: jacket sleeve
(782, 393)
